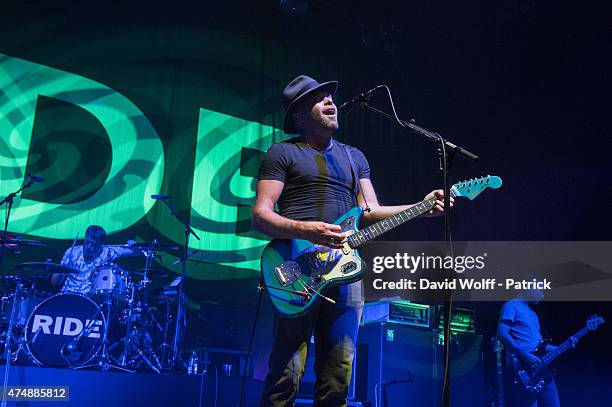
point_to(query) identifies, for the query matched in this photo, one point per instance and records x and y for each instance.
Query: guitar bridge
(287, 273)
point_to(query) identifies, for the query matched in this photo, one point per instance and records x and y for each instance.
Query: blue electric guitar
(296, 273)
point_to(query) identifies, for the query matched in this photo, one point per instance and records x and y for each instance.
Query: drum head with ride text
(54, 332)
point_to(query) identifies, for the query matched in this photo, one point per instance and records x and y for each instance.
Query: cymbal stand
(129, 345)
(143, 284)
(9, 336)
(165, 347)
(103, 358)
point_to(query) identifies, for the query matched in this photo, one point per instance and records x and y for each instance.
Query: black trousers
(335, 328)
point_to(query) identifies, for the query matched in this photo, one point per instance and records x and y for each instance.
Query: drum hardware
(9, 200)
(103, 355)
(74, 330)
(8, 356)
(181, 317)
(165, 348)
(154, 273)
(130, 344)
(15, 244)
(18, 241)
(44, 268)
(138, 317)
(154, 246)
(149, 250)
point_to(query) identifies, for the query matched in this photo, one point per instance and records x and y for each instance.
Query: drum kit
(121, 323)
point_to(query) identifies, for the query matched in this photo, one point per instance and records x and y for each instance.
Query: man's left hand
(438, 208)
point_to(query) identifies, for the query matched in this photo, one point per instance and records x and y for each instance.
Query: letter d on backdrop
(121, 201)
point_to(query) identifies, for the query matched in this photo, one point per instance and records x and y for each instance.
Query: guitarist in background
(311, 178)
(519, 331)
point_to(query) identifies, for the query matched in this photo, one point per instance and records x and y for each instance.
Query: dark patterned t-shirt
(318, 184)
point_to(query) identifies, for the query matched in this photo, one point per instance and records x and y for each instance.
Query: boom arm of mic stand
(188, 228)
(431, 136)
(9, 203)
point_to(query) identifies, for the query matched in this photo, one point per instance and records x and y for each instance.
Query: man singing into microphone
(311, 179)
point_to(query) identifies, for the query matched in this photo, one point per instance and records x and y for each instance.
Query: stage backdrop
(112, 109)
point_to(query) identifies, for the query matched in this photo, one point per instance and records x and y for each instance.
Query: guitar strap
(355, 174)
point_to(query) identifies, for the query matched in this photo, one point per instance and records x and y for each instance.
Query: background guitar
(533, 379)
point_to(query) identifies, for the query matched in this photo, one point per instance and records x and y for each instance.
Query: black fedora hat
(296, 91)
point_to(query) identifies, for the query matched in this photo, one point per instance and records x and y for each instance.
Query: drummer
(86, 258)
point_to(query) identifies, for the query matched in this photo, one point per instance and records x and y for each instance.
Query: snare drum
(52, 331)
(110, 279)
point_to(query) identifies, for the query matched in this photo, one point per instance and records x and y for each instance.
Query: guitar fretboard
(385, 225)
(563, 347)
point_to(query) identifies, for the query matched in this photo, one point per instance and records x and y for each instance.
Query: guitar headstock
(472, 188)
(594, 321)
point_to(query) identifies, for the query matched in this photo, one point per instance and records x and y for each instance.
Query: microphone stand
(180, 317)
(447, 153)
(9, 205)
(429, 135)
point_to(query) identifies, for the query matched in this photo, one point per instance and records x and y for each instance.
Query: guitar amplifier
(462, 320)
(404, 366)
(399, 312)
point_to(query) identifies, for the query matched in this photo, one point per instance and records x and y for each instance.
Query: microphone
(35, 178)
(362, 97)
(161, 197)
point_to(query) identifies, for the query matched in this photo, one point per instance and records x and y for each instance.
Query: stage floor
(90, 388)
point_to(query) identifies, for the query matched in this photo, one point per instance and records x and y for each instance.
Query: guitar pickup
(347, 224)
(348, 267)
(287, 273)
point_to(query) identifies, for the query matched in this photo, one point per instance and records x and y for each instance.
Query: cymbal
(36, 267)
(150, 246)
(154, 246)
(155, 273)
(21, 242)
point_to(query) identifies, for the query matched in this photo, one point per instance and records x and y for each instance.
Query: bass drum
(54, 333)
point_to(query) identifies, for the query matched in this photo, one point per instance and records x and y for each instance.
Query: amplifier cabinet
(404, 367)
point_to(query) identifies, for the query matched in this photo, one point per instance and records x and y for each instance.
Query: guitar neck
(373, 231)
(500, 374)
(468, 189)
(565, 346)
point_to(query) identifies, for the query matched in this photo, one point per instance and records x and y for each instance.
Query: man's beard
(326, 123)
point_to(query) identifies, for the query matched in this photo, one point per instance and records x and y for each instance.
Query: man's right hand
(530, 359)
(322, 233)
